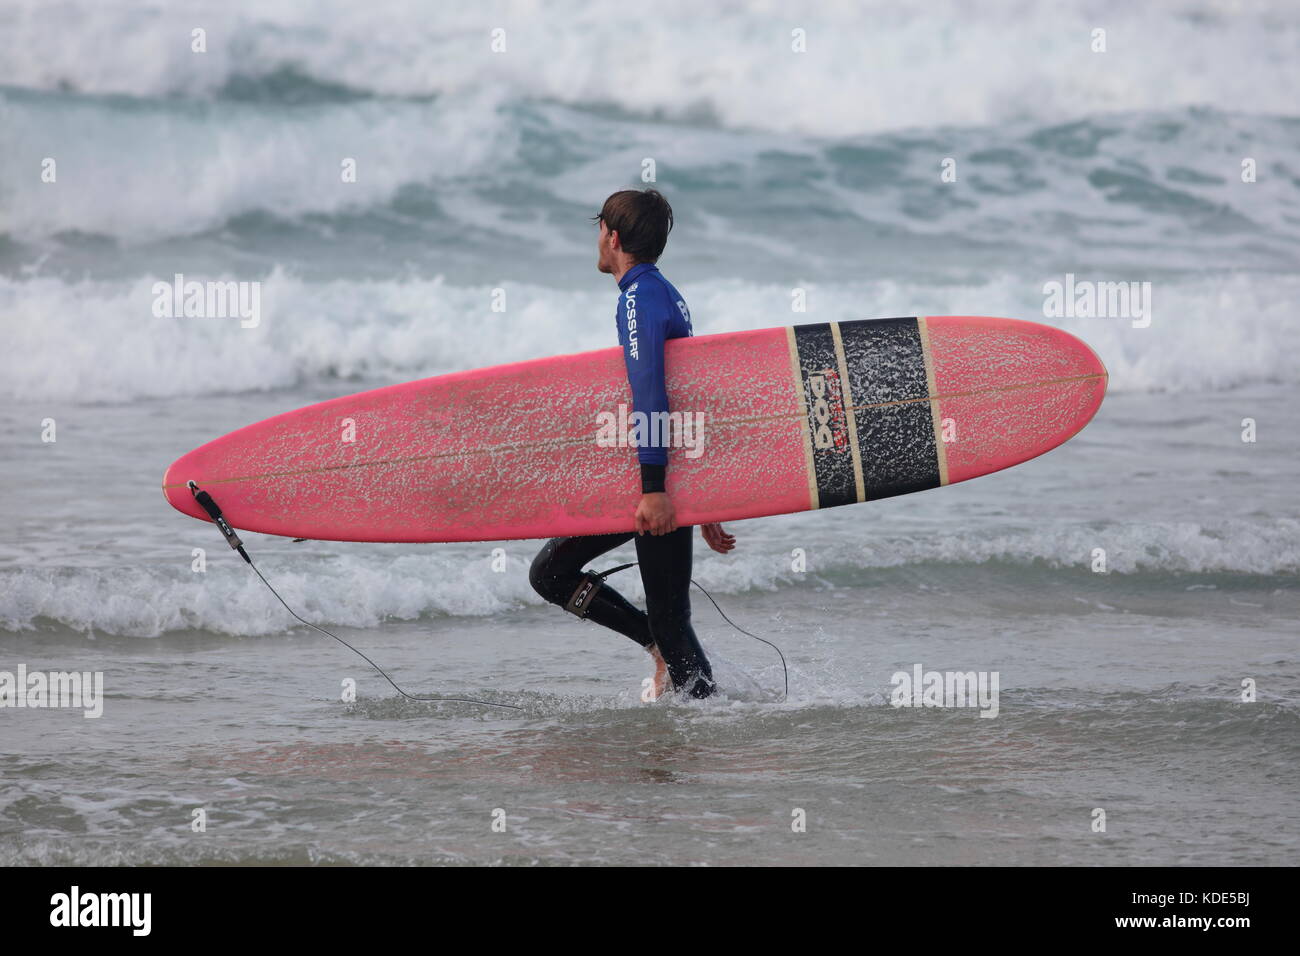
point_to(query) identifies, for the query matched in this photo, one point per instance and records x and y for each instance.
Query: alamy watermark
(64, 689)
(130, 910)
(208, 300)
(626, 429)
(922, 688)
(1085, 299)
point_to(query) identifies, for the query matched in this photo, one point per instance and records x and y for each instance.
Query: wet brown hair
(642, 218)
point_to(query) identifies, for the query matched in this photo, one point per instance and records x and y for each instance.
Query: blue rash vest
(650, 311)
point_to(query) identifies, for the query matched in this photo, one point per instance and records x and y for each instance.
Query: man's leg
(557, 572)
(666, 572)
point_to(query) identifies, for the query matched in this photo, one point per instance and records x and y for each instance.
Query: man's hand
(717, 538)
(655, 514)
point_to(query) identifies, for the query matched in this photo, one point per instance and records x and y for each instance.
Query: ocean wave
(98, 341)
(207, 165)
(479, 172)
(867, 66)
(365, 587)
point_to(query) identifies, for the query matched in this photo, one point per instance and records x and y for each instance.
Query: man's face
(605, 250)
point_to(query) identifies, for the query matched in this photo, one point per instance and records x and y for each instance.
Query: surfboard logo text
(626, 429)
(826, 410)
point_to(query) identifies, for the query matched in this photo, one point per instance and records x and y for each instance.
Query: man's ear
(614, 241)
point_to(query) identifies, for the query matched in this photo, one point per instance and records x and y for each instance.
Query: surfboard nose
(1011, 390)
(1090, 365)
(1097, 364)
(175, 489)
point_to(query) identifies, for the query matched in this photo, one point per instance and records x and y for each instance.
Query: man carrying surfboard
(634, 226)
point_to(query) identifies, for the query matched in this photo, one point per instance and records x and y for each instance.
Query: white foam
(868, 65)
(353, 590)
(149, 171)
(98, 341)
(363, 588)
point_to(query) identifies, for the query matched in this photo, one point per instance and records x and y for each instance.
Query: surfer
(634, 226)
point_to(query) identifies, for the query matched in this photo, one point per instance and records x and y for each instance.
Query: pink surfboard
(784, 420)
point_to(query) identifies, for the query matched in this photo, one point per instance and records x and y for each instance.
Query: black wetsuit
(650, 312)
(665, 562)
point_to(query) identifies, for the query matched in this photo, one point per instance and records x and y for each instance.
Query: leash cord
(785, 670)
(207, 503)
(383, 673)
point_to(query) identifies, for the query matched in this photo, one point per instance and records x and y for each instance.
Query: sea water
(1134, 592)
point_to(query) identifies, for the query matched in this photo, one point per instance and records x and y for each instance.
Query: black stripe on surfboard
(832, 453)
(885, 364)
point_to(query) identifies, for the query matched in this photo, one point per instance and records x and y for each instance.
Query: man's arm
(645, 322)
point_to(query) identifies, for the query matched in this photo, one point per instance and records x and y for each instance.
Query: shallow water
(1119, 689)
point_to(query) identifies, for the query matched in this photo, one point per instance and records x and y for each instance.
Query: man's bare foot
(661, 684)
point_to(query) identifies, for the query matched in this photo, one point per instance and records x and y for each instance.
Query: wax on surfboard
(794, 419)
